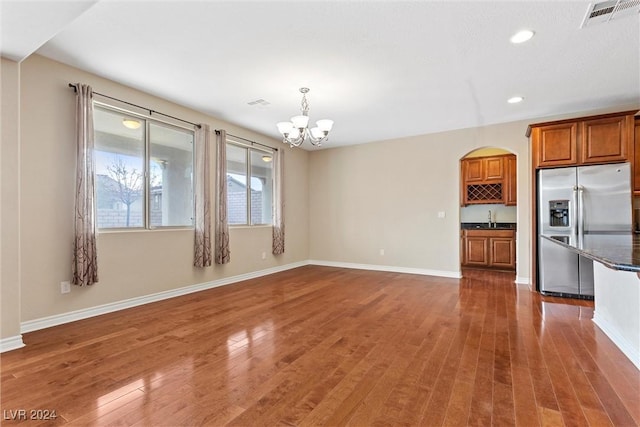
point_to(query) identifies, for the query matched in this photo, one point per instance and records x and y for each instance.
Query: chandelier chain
(305, 104)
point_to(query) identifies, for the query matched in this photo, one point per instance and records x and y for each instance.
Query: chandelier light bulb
(294, 134)
(325, 125)
(300, 122)
(285, 127)
(316, 132)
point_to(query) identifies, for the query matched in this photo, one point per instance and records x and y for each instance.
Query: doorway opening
(488, 210)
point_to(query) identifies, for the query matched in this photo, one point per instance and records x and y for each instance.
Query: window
(144, 171)
(249, 185)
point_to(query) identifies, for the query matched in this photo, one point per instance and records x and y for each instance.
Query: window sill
(250, 226)
(142, 230)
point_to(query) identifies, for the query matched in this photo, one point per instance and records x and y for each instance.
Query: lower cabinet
(489, 248)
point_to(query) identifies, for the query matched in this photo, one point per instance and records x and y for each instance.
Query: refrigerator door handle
(574, 212)
(580, 210)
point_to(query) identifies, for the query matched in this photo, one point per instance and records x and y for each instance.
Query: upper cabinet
(636, 162)
(483, 169)
(488, 180)
(511, 184)
(606, 140)
(600, 139)
(556, 144)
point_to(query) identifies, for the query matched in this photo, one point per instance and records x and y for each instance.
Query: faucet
(489, 218)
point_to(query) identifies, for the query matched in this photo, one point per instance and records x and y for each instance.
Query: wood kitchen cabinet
(556, 145)
(511, 181)
(599, 139)
(476, 251)
(502, 252)
(488, 180)
(606, 140)
(483, 169)
(489, 248)
(636, 162)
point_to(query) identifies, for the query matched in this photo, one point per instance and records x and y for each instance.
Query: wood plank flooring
(330, 346)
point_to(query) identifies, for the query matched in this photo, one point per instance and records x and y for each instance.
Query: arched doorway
(488, 210)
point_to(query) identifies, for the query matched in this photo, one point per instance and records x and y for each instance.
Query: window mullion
(248, 180)
(147, 189)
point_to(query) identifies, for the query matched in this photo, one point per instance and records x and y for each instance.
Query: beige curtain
(202, 245)
(278, 203)
(222, 253)
(85, 258)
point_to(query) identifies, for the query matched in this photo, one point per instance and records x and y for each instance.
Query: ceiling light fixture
(515, 99)
(296, 131)
(267, 158)
(522, 36)
(131, 123)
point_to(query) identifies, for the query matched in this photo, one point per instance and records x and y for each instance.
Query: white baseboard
(394, 269)
(11, 343)
(72, 316)
(523, 281)
(623, 344)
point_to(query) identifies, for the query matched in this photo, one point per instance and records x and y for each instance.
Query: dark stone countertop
(485, 226)
(619, 251)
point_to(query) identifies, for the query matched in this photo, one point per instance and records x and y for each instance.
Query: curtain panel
(85, 257)
(222, 255)
(202, 244)
(278, 204)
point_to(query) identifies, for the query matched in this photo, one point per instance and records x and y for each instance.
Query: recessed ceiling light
(522, 36)
(131, 123)
(515, 99)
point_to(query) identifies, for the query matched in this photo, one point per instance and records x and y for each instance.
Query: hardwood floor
(329, 346)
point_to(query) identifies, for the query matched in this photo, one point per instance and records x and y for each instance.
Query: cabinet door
(493, 168)
(473, 170)
(604, 140)
(502, 252)
(476, 251)
(556, 145)
(636, 163)
(510, 181)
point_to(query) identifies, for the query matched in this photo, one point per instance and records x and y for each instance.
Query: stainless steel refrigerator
(574, 202)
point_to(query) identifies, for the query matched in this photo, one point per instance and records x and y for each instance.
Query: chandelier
(296, 131)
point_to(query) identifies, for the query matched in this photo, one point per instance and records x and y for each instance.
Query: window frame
(147, 198)
(248, 146)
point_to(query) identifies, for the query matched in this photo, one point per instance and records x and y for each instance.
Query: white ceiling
(379, 69)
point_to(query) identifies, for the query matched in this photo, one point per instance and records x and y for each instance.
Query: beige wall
(131, 264)
(343, 204)
(387, 195)
(486, 152)
(9, 213)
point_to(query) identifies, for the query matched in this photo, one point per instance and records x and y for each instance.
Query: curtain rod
(249, 141)
(75, 89)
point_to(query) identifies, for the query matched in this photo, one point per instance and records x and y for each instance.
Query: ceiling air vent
(607, 10)
(263, 103)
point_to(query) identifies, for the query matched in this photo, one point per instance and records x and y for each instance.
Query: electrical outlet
(381, 252)
(264, 255)
(65, 287)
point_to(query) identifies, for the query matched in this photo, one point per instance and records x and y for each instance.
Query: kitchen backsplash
(480, 213)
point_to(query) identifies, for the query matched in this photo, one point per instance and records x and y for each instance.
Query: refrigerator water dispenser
(559, 213)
